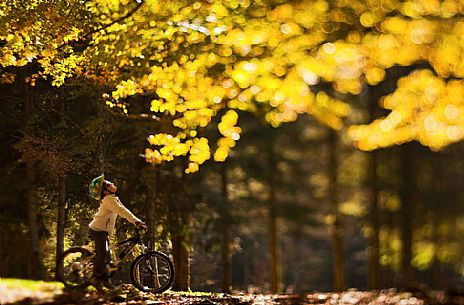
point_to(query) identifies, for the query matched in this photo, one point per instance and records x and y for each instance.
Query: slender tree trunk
(407, 210)
(274, 251)
(61, 217)
(181, 255)
(373, 278)
(336, 229)
(225, 234)
(100, 145)
(299, 257)
(61, 221)
(437, 275)
(276, 272)
(180, 231)
(35, 266)
(178, 224)
(35, 263)
(150, 205)
(246, 269)
(374, 248)
(3, 269)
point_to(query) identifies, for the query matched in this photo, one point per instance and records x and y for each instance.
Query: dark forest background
(293, 209)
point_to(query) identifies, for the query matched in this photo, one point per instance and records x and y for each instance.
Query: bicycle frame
(131, 243)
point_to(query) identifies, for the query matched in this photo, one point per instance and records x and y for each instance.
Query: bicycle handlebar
(138, 230)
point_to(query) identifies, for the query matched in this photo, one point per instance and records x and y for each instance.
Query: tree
(226, 222)
(179, 46)
(248, 62)
(373, 214)
(197, 61)
(336, 225)
(273, 227)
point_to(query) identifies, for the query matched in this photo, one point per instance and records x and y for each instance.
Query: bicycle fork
(152, 267)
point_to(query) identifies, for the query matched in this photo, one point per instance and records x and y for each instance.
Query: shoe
(107, 283)
(99, 283)
(111, 268)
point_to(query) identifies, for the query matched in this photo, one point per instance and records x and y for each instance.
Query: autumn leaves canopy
(198, 60)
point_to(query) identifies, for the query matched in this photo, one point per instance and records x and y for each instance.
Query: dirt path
(127, 295)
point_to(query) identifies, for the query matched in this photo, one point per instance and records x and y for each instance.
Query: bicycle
(151, 271)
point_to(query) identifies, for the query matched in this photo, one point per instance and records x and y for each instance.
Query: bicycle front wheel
(152, 272)
(75, 267)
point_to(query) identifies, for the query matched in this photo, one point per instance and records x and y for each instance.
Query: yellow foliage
(7, 78)
(192, 168)
(221, 154)
(424, 108)
(197, 59)
(173, 146)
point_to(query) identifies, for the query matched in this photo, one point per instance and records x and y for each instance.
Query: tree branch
(129, 14)
(84, 41)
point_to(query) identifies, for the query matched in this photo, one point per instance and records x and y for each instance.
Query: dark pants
(102, 252)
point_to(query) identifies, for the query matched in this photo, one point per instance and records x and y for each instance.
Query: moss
(31, 284)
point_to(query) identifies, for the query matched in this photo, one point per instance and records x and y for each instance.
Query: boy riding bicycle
(103, 224)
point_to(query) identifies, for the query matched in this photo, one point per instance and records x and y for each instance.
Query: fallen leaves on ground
(128, 295)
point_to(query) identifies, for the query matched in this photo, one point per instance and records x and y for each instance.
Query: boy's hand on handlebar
(141, 225)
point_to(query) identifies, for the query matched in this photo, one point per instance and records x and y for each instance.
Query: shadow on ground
(127, 295)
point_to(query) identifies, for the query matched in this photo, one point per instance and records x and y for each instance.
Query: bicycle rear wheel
(153, 272)
(75, 267)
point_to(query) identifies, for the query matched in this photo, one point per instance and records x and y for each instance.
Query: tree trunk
(336, 229)
(35, 262)
(178, 223)
(2, 254)
(374, 247)
(437, 275)
(407, 210)
(100, 145)
(276, 272)
(60, 224)
(373, 277)
(181, 255)
(225, 234)
(61, 221)
(150, 205)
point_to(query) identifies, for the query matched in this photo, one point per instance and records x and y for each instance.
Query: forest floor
(43, 293)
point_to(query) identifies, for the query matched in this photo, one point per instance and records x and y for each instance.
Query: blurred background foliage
(335, 128)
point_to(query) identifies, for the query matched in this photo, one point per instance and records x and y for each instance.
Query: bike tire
(152, 272)
(75, 267)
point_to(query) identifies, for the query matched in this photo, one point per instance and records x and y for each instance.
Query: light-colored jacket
(110, 208)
